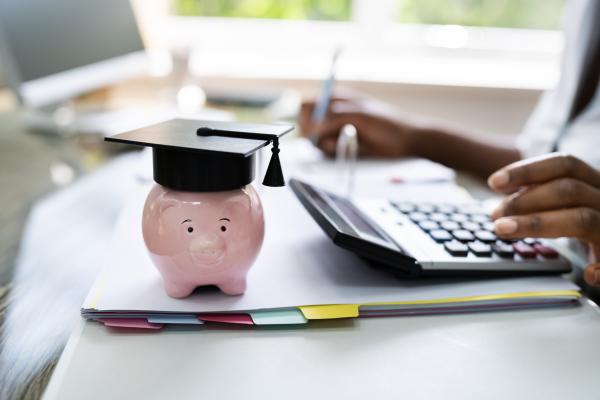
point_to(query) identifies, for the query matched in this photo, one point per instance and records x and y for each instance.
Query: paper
(377, 177)
(242, 319)
(298, 266)
(330, 311)
(453, 309)
(175, 319)
(137, 323)
(278, 317)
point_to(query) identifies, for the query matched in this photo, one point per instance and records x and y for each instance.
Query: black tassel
(274, 174)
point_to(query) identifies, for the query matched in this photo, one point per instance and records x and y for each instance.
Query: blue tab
(175, 319)
(291, 316)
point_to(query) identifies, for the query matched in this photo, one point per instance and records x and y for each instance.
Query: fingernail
(592, 275)
(506, 226)
(498, 179)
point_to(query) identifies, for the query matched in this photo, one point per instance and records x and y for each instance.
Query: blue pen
(322, 104)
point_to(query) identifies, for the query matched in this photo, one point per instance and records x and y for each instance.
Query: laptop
(415, 239)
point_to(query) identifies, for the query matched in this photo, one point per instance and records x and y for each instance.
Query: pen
(320, 110)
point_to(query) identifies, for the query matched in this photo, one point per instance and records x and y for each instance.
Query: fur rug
(64, 245)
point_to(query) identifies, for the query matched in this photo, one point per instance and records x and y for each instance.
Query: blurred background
(481, 64)
(72, 72)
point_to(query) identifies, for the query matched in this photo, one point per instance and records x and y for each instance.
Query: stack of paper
(299, 276)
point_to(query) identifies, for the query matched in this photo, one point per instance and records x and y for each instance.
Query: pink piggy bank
(203, 238)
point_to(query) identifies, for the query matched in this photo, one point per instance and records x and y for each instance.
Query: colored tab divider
(330, 311)
(278, 317)
(175, 319)
(241, 319)
(136, 323)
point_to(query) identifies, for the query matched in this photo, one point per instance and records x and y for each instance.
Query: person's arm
(464, 152)
(385, 132)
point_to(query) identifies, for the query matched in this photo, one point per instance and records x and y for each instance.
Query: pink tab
(242, 319)
(136, 323)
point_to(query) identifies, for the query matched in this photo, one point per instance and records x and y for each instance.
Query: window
(528, 14)
(331, 10)
(498, 43)
(523, 14)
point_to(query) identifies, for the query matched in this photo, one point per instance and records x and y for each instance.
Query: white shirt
(582, 136)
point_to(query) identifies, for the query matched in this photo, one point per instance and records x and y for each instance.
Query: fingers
(540, 170)
(305, 115)
(557, 194)
(581, 222)
(592, 274)
(332, 125)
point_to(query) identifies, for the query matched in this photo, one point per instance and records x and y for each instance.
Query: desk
(432, 349)
(549, 354)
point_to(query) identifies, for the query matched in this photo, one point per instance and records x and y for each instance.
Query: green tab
(290, 316)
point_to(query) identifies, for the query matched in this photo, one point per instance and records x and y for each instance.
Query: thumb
(592, 274)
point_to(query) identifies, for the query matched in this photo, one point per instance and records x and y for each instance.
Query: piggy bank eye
(190, 229)
(224, 227)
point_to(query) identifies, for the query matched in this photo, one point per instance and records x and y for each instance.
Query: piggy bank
(203, 238)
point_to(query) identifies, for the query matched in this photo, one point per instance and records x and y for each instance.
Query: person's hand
(551, 196)
(382, 132)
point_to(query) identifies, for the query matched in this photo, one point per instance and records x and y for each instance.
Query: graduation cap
(208, 156)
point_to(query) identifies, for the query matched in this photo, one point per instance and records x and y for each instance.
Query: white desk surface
(547, 354)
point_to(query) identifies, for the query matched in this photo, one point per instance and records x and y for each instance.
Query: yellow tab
(330, 311)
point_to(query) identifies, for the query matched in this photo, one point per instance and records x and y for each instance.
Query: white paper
(298, 265)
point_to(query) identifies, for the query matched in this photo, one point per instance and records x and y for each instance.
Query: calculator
(415, 239)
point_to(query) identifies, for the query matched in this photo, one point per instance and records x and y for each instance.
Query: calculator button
(425, 208)
(488, 226)
(417, 217)
(403, 207)
(503, 249)
(438, 217)
(440, 235)
(524, 250)
(485, 236)
(463, 235)
(480, 249)
(480, 218)
(545, 251)
(470, 209)
(471, 226)
(456, 248)
(429, 225)
(446, 208)
(450, 225)
(458, 217)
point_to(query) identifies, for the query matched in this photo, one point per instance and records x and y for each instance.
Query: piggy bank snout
(207, 249)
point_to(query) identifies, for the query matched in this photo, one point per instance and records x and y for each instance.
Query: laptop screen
(46, 37)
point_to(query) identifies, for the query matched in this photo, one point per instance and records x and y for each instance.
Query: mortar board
(208, 156)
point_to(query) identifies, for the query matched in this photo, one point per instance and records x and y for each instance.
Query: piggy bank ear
(165, 204)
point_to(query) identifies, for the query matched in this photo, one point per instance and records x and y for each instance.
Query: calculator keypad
(464, 230)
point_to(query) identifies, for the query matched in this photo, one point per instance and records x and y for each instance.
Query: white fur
(64, 245)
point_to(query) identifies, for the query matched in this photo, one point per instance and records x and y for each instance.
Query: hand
(551, 196)
(381, 131)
